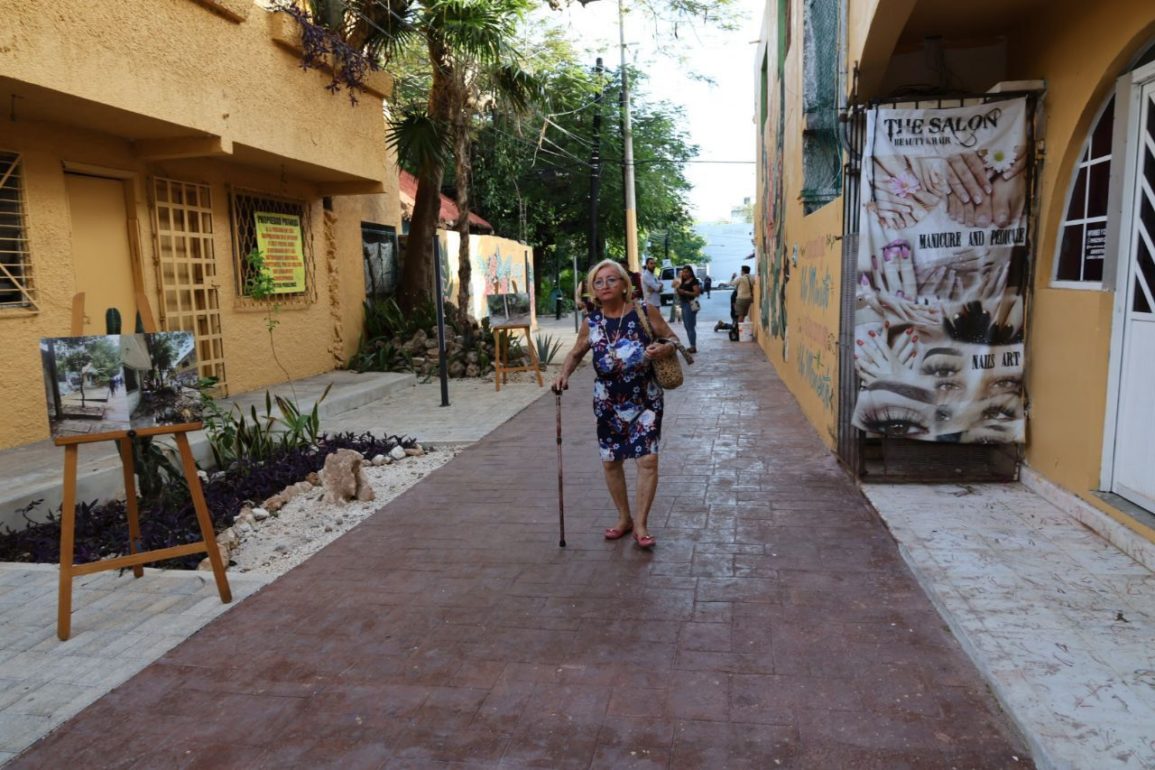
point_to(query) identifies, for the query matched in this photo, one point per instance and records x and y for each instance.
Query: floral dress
(627, 398)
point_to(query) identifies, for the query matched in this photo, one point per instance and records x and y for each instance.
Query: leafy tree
(533, 172)
(460, 39)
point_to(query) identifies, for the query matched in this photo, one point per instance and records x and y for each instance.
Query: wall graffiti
(816, 373)
(814, 291)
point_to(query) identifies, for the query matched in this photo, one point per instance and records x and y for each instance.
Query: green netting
(821, 152)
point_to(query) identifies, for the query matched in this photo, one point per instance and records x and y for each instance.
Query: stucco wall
(1070, 329)
(201, 91)
(202, 73)
(802, 345)
(309, 339)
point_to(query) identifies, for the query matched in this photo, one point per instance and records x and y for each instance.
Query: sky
(720, 115)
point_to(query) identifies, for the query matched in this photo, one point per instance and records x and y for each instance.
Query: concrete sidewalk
(774, 626)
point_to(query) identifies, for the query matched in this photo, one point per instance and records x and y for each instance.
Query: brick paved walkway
(774, 625)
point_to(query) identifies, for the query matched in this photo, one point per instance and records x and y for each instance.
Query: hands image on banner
(942, 266)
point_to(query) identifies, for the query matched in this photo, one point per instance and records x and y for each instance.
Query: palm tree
(466, 49)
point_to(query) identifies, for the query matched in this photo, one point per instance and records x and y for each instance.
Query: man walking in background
(651, 284)
(743, 293)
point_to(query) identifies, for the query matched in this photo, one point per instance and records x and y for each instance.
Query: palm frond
(420, 141)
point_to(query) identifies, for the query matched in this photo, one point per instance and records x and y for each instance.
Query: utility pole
(628, 155)
(595, 171)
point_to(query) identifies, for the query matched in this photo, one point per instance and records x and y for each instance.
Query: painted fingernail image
(871, 333)
(900, 294)
(860, 342)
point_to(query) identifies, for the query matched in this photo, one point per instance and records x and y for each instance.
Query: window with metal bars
(16, 287)
(244, 208)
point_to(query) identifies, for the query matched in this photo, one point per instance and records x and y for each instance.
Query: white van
(667, 275)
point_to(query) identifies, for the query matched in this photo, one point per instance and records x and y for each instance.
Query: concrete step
(33, 471)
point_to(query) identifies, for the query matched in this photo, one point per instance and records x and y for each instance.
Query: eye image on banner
(942, 267)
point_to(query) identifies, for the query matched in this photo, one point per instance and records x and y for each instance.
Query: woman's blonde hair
(628, 287)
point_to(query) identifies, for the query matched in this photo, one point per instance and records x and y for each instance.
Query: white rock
(397, 452)
(260, 514)
(379, 460)
(243, 528)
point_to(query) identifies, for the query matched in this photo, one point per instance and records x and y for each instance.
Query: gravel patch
(306, 524)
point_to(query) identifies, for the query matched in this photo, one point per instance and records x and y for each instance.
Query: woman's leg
(690, 320)
(616, 483)
(647, 487)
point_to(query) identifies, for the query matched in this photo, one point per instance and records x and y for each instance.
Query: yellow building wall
(197, 72)
(806, 355)
(1078, 49)
(1070, 329)
(175, 71)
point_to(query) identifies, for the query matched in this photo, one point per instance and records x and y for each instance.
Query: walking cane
(560, 493)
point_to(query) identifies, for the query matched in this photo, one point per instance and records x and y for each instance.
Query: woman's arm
(662, 330)
(573, 358)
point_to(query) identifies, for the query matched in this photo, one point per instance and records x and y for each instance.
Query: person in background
(744, 293)
(689, 290)
(707, 282)
(651, 284)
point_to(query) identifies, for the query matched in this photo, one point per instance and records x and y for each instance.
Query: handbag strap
(645, 319)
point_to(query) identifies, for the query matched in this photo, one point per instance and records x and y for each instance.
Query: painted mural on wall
(941, 274)
(773, 269)
(816, 343)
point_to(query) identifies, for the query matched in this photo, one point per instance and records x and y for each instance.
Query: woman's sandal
(613, 533)
(645, 542)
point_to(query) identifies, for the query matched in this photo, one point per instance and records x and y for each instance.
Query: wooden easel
(501, 338)
(136, 556)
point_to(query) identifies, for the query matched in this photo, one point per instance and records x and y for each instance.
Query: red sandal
(613, 533)
(645, 542)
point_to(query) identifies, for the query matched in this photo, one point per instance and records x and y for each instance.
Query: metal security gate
(883, 458)
(187, 270)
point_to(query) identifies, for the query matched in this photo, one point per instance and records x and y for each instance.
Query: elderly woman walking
(627, 398)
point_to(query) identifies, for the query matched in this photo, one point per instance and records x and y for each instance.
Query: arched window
(1083, 232)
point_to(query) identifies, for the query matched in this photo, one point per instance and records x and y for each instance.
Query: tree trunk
(416, 280)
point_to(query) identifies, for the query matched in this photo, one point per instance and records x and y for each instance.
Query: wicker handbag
(667, 370)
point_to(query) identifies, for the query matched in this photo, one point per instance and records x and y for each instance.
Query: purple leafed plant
(102, 527)
(323, 47)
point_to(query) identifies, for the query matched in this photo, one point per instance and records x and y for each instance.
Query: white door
(1134, 476)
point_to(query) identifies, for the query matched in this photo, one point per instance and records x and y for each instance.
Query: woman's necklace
(612, 340)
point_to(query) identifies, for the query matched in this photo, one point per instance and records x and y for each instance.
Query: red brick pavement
(774, 625)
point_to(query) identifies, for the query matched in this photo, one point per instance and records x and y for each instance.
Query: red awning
(448, 216)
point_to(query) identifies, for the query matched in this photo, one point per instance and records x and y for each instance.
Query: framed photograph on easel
(119, 382)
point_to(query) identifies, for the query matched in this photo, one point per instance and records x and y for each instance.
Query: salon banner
(941, 273)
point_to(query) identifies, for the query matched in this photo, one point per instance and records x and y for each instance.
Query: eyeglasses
(612, 280)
